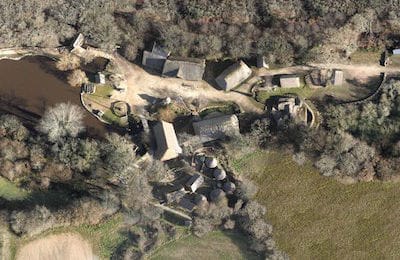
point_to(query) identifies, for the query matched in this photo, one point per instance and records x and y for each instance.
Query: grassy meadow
(215, 245)
(316, 217)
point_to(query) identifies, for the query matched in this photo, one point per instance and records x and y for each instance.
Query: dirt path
(57, 247)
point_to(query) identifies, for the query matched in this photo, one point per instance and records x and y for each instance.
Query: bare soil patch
(57, 247)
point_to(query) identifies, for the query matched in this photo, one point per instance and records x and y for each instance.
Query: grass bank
(215, 245)
(316, 217)
(10, 191)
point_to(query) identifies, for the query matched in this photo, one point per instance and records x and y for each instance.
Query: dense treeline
(284, 31)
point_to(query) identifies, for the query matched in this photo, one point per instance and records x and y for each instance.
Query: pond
(29, 86)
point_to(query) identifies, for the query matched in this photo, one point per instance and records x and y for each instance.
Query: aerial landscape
(199, 129)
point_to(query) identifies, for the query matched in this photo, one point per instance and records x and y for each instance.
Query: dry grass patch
(315, 217)
(215, 245)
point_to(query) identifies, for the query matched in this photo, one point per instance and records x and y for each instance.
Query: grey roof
(233, 76)
(167, 143)
(216, 194)
(217, 127)
(160, 50)
(185, 203)
(175, 196)
(153, 61)
(200, 199)
(219, 174)
(229, 187)
(187, 69)
(195, 182)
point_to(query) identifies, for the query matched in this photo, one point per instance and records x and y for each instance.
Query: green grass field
(216, 245)
(9, 191)
(316, 217)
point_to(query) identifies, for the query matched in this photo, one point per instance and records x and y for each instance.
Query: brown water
(33, 84)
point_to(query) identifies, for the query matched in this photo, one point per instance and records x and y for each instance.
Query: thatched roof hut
(229, 187)
(167, 143)
(219, 174)
(217, 195)
(233, 76)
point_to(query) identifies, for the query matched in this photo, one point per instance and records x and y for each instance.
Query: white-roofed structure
(338, 78)
(167, 143)
(396, 52)
(290, 81)
(195, 182)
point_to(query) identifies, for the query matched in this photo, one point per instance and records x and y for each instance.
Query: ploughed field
(316, 217)
(30, 85)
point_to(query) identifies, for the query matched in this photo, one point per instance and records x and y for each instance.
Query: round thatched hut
(217, 195)
(219, 174)
(229, 187)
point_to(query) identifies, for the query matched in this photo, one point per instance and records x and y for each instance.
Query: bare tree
(62, 120)
(68, 62)
(77, 77)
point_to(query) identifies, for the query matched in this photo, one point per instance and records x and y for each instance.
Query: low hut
(338, 78)
(219, 174)
(200, 200)
(155, 59)
(218, 127)
(290, 81)
(88, 88)
(195, 182)
(229, 187)
(186, 204)
(211, 162)
(217, 195)
(184, 68)
(233, 76)
(167, 143)
(100, 78)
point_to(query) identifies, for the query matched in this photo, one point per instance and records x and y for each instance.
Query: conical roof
(219, 174)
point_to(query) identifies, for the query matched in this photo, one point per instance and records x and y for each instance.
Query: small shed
(219, 174)
(79, 41)
(175, 196)
(211, 162)
(217, 128)
(195, 182)
(155, 59)
(186, 204)
(338, 78)
(396, 52)
(88, 88)
(290, 81)
(167, 143)
(233, 76)
(100, 78)
(262, 62)
(200, 200)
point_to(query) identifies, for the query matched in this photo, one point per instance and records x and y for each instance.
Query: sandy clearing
(57, 247)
